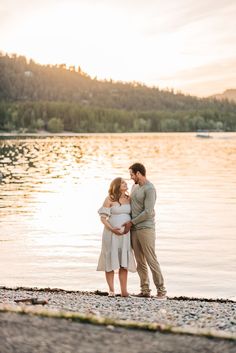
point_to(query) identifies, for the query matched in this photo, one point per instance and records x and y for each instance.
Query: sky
(185, 45)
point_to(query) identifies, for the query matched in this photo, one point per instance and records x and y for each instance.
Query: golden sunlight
(152, 44)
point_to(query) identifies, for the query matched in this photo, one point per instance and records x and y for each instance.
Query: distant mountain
(229, 94)
(22, 80)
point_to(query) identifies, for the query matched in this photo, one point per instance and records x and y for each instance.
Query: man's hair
(138, 167)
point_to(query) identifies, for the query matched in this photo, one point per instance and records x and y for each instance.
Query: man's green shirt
(143, 200)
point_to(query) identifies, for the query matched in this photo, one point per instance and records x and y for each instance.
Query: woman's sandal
(111, 294)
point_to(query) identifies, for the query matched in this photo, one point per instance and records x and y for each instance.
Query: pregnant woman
(116, 253)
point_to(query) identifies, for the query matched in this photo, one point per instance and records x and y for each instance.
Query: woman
(116, 248)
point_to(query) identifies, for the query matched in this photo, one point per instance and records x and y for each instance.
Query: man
(142, 226)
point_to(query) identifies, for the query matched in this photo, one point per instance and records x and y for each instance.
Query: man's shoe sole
(161, 299)
(142, 296)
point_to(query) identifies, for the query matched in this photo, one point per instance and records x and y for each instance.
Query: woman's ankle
(124, 293)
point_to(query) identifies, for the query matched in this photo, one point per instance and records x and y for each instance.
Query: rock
(110, 327)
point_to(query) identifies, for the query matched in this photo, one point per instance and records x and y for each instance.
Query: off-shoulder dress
(116, 250)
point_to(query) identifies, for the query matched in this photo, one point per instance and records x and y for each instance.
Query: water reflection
(51, 189)
(22, 160)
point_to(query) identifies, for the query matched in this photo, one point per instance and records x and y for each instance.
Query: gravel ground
(217, 315)
(33, 334)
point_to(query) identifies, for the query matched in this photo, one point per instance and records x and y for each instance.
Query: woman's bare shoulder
(107, 202)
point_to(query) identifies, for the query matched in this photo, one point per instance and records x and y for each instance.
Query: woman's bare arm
(104, 219)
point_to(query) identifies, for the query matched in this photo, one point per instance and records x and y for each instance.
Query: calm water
(50, 233)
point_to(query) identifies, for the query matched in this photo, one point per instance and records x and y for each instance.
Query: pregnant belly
(118, 220)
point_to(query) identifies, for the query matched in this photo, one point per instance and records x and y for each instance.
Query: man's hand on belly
(127, 226)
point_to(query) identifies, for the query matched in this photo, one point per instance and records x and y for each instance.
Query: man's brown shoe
(143, 295)
(161, 296)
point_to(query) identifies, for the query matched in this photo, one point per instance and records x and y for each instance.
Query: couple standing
(124, 216)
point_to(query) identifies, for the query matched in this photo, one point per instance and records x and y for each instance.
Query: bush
(55, 125)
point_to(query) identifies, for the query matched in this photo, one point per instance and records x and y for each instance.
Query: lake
(52, 187)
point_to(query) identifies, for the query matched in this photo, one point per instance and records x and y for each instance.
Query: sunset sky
(187, 45)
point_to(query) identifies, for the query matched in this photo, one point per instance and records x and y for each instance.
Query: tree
(55, 125)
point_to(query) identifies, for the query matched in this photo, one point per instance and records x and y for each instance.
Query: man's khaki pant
(143, 243)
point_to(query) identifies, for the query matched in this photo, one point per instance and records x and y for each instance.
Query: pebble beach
(178, 312)
(89, 322)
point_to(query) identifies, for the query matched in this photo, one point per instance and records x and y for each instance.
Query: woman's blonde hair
(114, 190)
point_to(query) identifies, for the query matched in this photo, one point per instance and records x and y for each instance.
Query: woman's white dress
(116, 249)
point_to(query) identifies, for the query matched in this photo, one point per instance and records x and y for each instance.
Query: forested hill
(30, 92)
(28, 81)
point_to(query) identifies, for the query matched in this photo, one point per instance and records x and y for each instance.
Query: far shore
(71, 133)
(44, 133)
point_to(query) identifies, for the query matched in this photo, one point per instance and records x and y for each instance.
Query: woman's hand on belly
(118, 231)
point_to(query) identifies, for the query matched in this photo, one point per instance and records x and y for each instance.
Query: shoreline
(45, 134)
(206, 316)
(71, 133)
(91, 322)
(104, 293)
